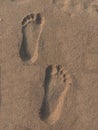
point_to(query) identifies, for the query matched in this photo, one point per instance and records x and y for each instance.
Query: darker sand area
(49, 65)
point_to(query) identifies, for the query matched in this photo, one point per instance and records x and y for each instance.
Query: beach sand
(49, 65)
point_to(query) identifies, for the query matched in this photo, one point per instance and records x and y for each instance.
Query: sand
(49, 65)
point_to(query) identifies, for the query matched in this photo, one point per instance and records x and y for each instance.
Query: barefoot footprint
(32, 27)
(56, 85)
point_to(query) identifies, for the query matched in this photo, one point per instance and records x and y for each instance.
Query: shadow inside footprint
(38, 18)
(44, 111)
(24, 53)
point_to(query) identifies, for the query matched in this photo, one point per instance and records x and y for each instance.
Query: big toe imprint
(56, 85)
(32, 27)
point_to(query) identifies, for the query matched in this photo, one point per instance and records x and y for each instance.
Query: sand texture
(48, 64)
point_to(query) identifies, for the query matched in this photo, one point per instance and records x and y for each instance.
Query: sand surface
(65, 33)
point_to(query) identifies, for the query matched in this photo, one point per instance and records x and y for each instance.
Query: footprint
(57, 82)
(32, 27)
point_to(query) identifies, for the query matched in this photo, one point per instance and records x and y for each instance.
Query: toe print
(27, 19)
(38, 19)
(32, 27)
(56, 86)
